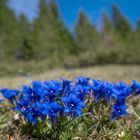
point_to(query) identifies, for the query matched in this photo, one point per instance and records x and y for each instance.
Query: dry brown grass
(110, 73)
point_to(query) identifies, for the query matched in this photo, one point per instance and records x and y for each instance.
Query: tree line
(48, 40)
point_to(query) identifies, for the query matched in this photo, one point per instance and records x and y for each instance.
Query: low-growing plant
(64, 109)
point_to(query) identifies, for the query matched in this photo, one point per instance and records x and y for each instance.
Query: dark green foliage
(54, 42)
(48, 41)
(107, 24)
(25, 49)
(120, 23)
(86, 35)
(7, 31)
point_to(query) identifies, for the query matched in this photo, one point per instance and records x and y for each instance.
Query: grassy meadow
(114, 73)
(45, 48)
(127, 128)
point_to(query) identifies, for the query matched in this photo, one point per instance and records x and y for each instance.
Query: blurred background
(38, 35)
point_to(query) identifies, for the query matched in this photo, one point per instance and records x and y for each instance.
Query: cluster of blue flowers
(53, 99)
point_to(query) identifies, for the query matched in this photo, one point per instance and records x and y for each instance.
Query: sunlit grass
(110, 73)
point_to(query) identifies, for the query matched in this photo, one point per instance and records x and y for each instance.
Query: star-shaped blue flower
(73, 106)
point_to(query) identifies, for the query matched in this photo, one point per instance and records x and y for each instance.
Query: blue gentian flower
(66, 85)
(33, 114)
(54, 98)
(80, 91)
(39, 91)
(53, 89)
(83, 81)
(103, 90)
(26, 92)
(52, 109)
(118, 112)
(120, 101)
(23, 106)
(97, 90)
(108, 91)
(10, 94)
(26, 89)
(123, 89)
(135, 87)
(73, 105)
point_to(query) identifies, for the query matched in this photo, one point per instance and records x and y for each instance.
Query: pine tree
(107, 31)
(54, 9)
(107, 23)
(120, 23)
(43, 31)
(64, 39)
(86, 35)
(51, 36)
(8, 27)
(138, 26)
(2, 9)
(136, 34)
(25, 50)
